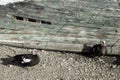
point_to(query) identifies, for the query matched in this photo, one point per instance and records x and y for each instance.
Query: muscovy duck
(27, 59)
(100, 49)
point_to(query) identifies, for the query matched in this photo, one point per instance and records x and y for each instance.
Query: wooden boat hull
(64, 26)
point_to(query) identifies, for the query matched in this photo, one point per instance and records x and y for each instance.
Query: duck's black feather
(98, 49)
(34, 59)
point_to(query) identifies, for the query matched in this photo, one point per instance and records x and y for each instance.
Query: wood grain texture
(62, 24)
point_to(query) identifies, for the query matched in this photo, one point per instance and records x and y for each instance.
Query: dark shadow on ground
(117, 61)
(6, 61)
(9, 61)
(89, 55)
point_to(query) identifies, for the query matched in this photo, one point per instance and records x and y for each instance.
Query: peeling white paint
(4, 2)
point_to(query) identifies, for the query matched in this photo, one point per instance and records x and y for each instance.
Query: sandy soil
(57, 66)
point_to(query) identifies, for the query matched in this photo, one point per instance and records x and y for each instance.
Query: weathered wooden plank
(71, 31)
(47, 45)
(59, 39)
(52, 13)
(43, 45)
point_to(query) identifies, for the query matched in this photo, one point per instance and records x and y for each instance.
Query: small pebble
(114, 66)
(43, 50)
(10, 65)
(101, 60)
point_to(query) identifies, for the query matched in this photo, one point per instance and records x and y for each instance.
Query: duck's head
(103, 43)
(35, 52)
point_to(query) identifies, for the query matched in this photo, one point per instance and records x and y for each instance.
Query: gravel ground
(58, 66)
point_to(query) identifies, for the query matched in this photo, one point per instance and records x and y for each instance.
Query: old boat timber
(61, 25)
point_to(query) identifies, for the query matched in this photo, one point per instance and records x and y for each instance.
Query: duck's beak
(35, 52)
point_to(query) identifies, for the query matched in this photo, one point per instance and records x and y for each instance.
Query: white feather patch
(26, 60)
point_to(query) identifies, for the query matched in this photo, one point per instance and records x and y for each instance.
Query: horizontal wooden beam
(59, 46)
(43, 45)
